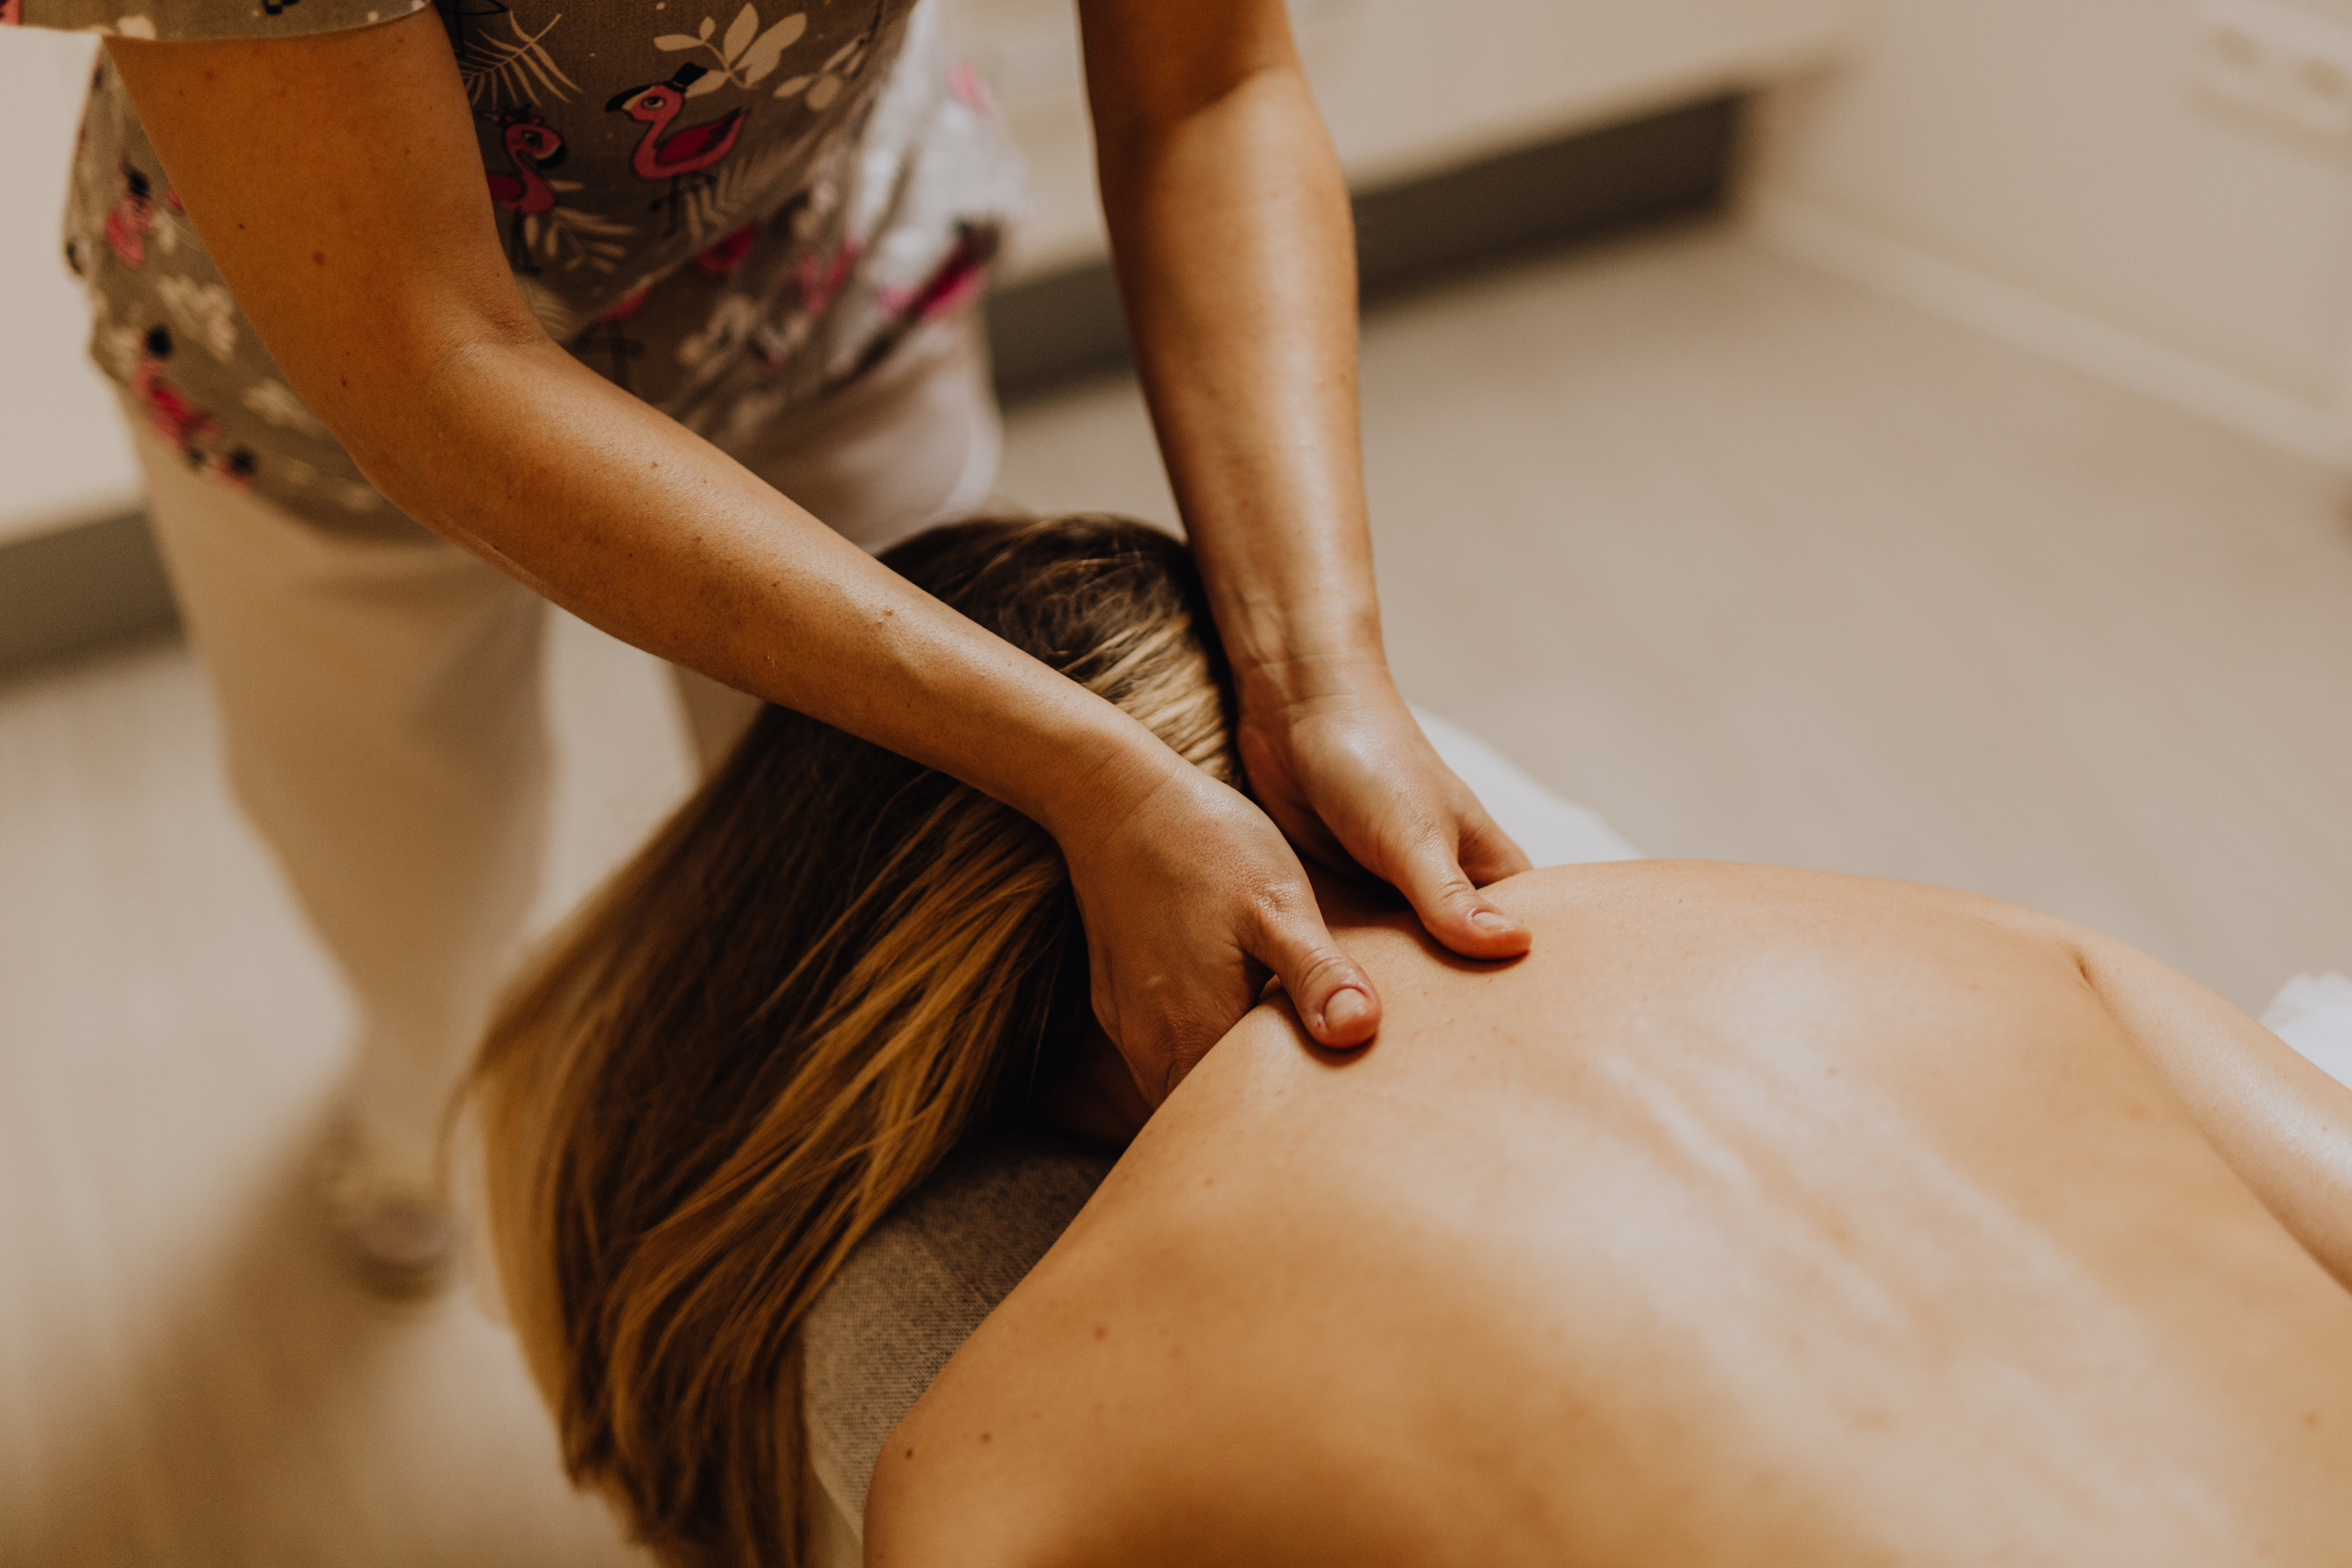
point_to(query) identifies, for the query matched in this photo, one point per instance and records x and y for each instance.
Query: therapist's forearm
(1237, 256)
(337, 181)
(614, 511)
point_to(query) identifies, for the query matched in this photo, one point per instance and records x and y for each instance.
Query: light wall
(1409, 87)
(62, 456)
(2049, 170)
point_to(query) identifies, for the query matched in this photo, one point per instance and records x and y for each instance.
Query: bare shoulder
(1723, 907)
(1115, 1403)
(1655, 889)
(1116, 1406)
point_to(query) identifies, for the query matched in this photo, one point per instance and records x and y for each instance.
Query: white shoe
(398, 1235)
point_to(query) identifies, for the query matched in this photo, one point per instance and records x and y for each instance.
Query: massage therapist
(424, 314)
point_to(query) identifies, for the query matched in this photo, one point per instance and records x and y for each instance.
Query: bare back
(1757, 1216)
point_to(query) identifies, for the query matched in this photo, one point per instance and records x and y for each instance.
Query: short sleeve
(193, 21)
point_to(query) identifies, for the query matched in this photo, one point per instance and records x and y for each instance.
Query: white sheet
(2312, 1013)
(1552, 831)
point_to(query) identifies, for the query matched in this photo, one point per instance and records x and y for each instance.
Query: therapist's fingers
(1489, 854)
(1431, 873)
(1189, 899)
(1333, 996)
(1359, 772)
(1439, 848)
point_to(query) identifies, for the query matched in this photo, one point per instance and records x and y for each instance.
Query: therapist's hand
(1192, 898)
(1348, 775)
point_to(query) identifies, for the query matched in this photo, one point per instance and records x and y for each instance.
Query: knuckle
(1326, 967)
(1278, 906)
(1496, 853)
(1424, 847)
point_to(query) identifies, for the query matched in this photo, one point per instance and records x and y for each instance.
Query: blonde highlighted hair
(830, 968)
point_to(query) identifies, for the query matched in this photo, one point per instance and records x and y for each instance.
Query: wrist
(1294, 683)
(1294, 631)
(1107, 776)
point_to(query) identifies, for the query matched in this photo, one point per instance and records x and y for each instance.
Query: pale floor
(1760, 566)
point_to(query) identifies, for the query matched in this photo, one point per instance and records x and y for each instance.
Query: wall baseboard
(70, 589)
(1048, 329)
(67, 591)
(1837, 245)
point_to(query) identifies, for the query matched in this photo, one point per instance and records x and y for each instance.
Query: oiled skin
(1756, 1218)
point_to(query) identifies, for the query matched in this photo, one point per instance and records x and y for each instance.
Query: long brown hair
(829, 968)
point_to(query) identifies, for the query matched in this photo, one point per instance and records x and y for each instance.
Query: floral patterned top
(730, 216)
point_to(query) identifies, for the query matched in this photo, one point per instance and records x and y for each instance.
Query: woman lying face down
(1755, 1217)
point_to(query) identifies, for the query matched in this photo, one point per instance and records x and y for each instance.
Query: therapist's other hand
(1348, 775)
(1191, 898)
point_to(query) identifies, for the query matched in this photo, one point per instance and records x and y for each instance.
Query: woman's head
(829, 968)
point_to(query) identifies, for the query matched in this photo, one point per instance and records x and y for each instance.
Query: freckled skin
(1755, 1217)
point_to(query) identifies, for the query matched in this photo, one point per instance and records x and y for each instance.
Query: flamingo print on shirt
(532, 147)
(722, 259)
(801, 241)
(681, 153)
(619, 345)
(176, 418)
(131, 218)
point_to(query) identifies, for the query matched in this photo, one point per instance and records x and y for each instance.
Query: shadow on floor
(276, 1414)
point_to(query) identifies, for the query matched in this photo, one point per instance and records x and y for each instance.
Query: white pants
(380, 706)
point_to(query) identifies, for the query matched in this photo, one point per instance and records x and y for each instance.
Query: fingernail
(1345, 1008)
(1492, 923)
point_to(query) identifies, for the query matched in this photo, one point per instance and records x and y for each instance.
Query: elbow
(405, 415)
(374, 383)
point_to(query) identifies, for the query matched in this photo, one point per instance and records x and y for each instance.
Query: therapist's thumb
(1334, 997)
(1435, 874)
